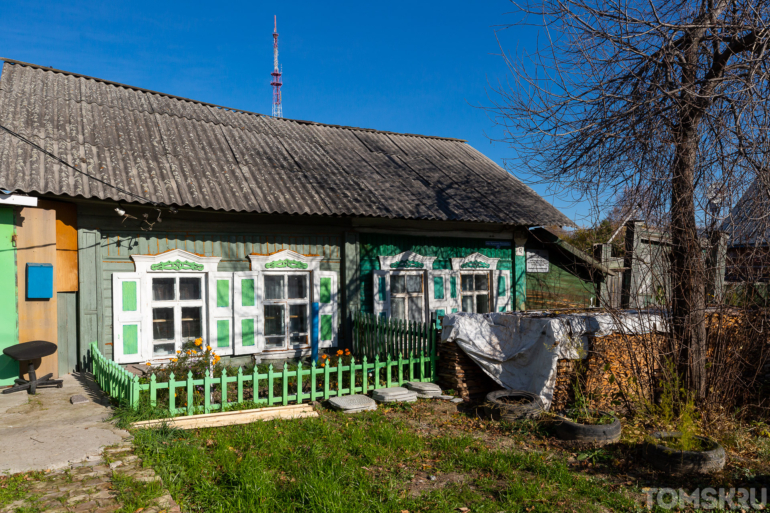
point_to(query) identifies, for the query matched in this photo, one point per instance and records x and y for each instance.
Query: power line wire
(60, 160)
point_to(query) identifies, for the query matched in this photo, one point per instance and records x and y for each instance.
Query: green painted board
(326, 327)
(438, 287)
(247, 293)
(247, 332)
(223, 293)
(326, 290)
(381, 293)
(130, 339)
(453, 286)
(9, 335)
(129, 296)
(501, 286)
(223, 333)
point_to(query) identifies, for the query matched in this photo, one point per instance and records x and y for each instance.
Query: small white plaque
(537, 261)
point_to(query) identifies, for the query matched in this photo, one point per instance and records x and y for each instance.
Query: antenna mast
(276, 83)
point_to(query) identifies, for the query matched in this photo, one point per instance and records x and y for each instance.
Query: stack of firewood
(456, 371)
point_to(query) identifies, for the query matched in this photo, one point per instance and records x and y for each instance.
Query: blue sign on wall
(39, 281)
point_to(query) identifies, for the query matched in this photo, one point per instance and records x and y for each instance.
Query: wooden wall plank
(36, 243)
(67, 331)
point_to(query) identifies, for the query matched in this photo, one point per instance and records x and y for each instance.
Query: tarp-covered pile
(521, 351)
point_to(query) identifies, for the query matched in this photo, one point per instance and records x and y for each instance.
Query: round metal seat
(29, 352)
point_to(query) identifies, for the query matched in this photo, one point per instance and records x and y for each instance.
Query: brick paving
(88, 486)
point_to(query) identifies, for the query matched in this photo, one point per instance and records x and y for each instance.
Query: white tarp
(520, 351)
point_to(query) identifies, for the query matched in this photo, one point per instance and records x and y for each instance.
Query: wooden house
(165, 219)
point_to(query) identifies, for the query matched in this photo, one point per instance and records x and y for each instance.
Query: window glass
(482, 281)
(191, 322)
(274, 321)
(163, 289)
(468, 304)
(398, 308)
(297, 287)
(162, 323)
(163, 349)
(273, 287)
(298, 324)
(397, 285)
(482, 303)
(414, 283)
(415, 308)
(467, 282)
(189, 288)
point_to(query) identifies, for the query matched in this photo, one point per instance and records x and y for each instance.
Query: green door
(9, 335)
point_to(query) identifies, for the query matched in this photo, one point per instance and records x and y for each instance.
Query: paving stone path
(88, 486)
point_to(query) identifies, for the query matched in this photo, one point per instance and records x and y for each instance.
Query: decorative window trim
(474, 261)
(285, 259)
(406, 261)
(167, 262)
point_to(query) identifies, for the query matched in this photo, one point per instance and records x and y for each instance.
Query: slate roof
(749, 221)
(186, 153)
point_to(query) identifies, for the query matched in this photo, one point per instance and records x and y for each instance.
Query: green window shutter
(382, 288)
(129, 297)
(501, 286)
(326, 290)
(247, 292)
(130, 338)
(383, 316)
(440, 313)
(454, 310)
(247, 331)
(438, 287)
(326, 327)
(223, 293)
(502, 309)
(223, 330)
(453, 286)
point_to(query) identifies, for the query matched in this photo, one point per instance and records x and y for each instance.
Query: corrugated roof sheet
(186, 153)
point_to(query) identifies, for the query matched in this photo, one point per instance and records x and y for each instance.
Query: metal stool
(31, 351)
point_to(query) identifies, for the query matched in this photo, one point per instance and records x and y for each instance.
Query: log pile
(618, 368)
(456, 371)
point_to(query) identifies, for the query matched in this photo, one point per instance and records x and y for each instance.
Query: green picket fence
(313, 383)
(376, 336)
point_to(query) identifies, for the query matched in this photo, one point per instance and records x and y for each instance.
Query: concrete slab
(45, 431)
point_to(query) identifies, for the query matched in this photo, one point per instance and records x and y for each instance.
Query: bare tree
(663, 98)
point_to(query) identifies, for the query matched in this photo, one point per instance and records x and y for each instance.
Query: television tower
(276, 83)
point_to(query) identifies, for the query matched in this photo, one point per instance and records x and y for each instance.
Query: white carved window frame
(328, 337)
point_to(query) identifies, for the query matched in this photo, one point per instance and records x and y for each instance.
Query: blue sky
(417, 67)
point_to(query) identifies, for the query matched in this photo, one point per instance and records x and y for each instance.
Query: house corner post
(519, 270)
(351, 283)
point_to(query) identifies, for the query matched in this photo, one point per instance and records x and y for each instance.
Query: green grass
(133, 494)
(368, 462)
(14, 487)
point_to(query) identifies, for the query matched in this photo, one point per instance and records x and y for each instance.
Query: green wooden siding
(108, 250)
(568, 284)
(67, 333)
(372, 246)
(453, 286)
(9, 334)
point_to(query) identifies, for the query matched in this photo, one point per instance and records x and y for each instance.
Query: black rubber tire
(499, 410)
(565, 429)
(685, 462)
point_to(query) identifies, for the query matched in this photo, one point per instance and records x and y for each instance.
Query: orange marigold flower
(198, 341)
(174, 359)
(178, 352)
(148, 363)
(339, 353)
(208, 348)
(323, 365)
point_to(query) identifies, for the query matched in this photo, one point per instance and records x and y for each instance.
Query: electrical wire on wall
(121, 212)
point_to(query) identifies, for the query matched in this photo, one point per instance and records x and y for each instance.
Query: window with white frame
(475, 292)
(407, 296)
(178, 312)
(177, 297)
(286, 310)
